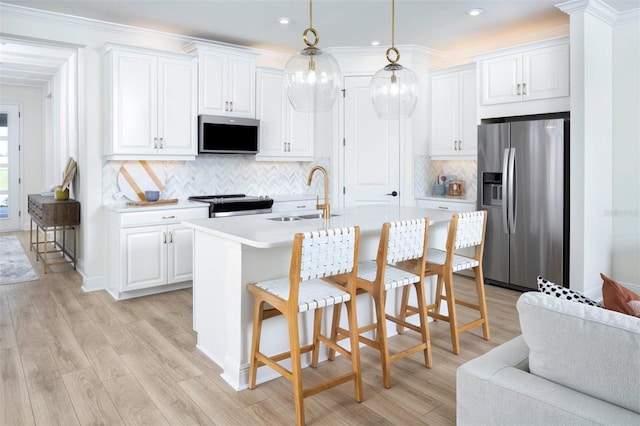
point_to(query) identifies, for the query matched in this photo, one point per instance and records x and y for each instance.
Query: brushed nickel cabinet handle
(524, 88)
(519, 92)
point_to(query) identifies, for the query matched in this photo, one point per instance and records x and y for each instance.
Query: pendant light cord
(393, 23)
(392, 49)
(310, 13)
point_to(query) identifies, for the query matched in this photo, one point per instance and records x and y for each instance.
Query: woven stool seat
(459, 263)
(393, 277)
(313, 294)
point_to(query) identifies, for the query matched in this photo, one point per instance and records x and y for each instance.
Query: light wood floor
(69, 357)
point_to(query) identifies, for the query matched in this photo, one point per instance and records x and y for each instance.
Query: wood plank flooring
(69, 357)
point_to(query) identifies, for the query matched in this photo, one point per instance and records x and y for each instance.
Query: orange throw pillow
(619, 298)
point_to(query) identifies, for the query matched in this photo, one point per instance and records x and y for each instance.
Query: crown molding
(600, 10)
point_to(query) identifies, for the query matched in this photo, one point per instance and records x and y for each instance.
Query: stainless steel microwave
(228, 135)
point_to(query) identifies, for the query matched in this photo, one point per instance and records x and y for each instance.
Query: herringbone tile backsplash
(426, 171)
(223, 174)
(228, 174)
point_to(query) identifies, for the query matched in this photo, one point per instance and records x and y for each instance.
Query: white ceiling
(437, 24)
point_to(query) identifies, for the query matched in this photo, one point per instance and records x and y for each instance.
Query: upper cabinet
(453, 113)
(226, 80)
(152, 104)
(285, 134)
(535, 72)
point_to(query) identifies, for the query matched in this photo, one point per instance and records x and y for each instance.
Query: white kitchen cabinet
(303, 204)
(226, 80)
(152, 111)
(452, 205)
(534, 73)
(152, 251)
(285, 134)
(454, 113)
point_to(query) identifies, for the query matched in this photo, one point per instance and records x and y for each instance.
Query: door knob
(394, 194)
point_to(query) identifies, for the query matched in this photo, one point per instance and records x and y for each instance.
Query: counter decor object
(152, 195)
(456, 188)
(61, 192)
(438, 189)
(137, 177)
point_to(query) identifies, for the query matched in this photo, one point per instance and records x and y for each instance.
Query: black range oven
(235, 204)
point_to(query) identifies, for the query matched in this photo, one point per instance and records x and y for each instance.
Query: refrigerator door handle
(511, 187)
(505, 180)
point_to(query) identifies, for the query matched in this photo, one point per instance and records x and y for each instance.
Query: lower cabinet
(154, 252)
(157, 255)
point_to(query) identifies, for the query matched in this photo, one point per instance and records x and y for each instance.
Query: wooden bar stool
(465, 230)
(399, 241)
(316, 258)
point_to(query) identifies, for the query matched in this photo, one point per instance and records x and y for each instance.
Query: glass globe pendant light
(312, 77)
(394, 89)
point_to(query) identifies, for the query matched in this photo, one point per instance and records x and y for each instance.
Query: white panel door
(213, 80)
(468, 121)
(371, 151)
(501, 78)
(444, 110)
(145, 256)
(177, 107)
(546, 73)
(242, 81)
(180, 256)
(135, 99)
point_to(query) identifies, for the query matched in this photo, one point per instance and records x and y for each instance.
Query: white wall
(32, 152)
(626, 152)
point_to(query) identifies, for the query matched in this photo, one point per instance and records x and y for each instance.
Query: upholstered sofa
(574, 364)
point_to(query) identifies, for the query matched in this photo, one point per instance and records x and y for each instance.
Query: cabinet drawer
(294, 205)
(162, 216)
(453, 206)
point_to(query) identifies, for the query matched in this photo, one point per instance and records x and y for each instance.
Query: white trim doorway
(10, 171)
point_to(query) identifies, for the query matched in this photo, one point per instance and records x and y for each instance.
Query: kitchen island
(231, 252)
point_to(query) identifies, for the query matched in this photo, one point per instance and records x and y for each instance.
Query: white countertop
(260, 232)
(122, 207)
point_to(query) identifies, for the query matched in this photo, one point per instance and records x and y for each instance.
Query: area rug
(14, 264)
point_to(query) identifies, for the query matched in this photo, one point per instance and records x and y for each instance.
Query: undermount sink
(298, 217)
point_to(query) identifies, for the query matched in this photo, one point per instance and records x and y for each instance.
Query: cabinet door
(444, 107)
(177, 122)
(135, 83)
(501, 78)
(270, 112)
(242, 83)
(180, 254)
(546, 73)
(213, 77)
(468, 107)
(145, 257)
(299, 132)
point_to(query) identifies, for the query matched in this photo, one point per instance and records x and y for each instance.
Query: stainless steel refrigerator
(523, 185)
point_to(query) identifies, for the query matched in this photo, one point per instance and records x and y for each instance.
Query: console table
(51, 215)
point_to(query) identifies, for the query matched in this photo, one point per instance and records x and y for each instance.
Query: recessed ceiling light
(476, 12)
(375, 43)
(284, 20)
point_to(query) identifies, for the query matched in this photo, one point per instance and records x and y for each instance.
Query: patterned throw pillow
(547, 287)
